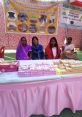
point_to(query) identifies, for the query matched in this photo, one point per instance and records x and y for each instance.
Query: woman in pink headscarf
(23, 51)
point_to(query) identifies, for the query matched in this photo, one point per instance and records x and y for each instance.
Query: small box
(9, 66)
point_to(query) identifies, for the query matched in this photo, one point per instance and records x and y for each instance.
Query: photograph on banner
(71, 17)
(25, 19)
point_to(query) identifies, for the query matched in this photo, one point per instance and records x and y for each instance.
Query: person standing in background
(2, 52)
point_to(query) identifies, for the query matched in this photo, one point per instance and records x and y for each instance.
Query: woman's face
(69, 41)
(35, 41)
(53, 43)
(24, 41)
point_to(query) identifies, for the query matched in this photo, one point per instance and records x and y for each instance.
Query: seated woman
(37, 49)
(68, 50)
(52, 51)
(23, 50)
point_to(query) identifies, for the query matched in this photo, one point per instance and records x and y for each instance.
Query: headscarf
(48, 50)
(37, 50)
(22, 51)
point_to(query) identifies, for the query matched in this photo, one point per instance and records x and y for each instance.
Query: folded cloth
(9, 66)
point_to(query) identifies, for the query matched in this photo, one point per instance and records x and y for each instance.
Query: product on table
(36, 70)
(9, 66)
(68, 67)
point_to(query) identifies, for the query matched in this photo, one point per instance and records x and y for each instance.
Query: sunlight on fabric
(51, 0)
(1, 1)
(79, 0)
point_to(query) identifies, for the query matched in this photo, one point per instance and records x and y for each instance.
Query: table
(48, 97)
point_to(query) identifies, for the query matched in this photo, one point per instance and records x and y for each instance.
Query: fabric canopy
(77, 3)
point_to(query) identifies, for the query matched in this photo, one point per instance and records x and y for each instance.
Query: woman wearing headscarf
(52, 50)
(23, 50)
(37, 49)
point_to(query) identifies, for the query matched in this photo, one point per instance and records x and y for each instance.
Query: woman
(52, 51)
(37, 49)
(23, 50)
(68, 50)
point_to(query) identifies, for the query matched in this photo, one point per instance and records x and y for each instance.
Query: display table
(48, 95)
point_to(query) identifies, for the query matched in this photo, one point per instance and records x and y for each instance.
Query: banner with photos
(21, 18)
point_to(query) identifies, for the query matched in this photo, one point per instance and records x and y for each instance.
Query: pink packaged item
(36, 70)
(24, 71)
(9, 66)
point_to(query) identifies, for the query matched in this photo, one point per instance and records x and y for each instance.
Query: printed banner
(71, 17)
(30, 18)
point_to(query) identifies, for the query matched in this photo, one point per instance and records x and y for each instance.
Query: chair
(2, 52)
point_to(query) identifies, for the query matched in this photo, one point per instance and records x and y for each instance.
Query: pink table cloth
(41, 97)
